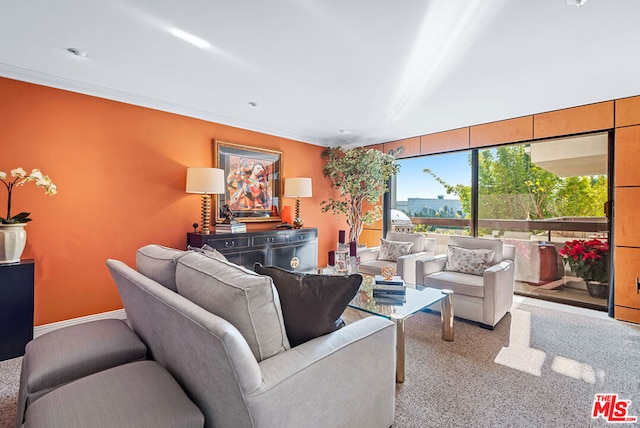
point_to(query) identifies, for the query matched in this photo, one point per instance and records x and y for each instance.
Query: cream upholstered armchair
(400, 250)
(481, 274)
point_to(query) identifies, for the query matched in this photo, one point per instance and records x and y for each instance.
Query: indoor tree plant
(360, 175)
(12, 234)
(588, 260)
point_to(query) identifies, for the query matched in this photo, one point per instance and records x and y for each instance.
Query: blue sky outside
(412, 182)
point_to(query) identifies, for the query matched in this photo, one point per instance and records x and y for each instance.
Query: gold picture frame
(253, 182)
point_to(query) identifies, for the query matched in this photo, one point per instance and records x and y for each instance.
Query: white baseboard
(46, 328)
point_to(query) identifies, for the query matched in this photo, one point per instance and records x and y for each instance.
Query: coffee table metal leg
(398, 320)
(446, 312)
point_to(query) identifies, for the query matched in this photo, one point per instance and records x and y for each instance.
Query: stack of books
(236, 227)
(389, 290)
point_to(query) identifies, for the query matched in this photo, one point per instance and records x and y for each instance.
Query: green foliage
(511, 187)
(360, 175)
(22, 217)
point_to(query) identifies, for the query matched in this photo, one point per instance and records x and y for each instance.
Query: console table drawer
(294, 249)
(261, 240)
(302, 236)
(228, 243)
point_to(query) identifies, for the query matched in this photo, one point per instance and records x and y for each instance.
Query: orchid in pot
(588, 260)
(12, 234)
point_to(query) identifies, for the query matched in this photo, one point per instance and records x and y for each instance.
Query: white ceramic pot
(13, 238)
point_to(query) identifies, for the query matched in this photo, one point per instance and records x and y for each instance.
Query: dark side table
(16, 308)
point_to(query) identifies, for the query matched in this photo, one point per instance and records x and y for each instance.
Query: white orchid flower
(22, 177)
(35, 175)
(51, 190)
(18, 172)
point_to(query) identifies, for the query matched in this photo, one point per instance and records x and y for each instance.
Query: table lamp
(205, 181)
(298, 187)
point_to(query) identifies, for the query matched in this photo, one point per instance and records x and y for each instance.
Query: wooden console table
(16, 308)
(291, 249)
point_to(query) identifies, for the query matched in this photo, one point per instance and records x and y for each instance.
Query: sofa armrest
(355, 364)
(406, 265)
(428, 265)
(368, 254)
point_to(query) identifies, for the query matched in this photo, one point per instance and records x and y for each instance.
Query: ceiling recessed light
(576, 2)
(77, 52)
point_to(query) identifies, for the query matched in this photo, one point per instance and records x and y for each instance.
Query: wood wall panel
(403, 148)
(628, 111)
(377, 147)
(446, 141)
(627, 156)
(592, 117)
(627, 314)
(627, 216)
(627, 270)
(504, 131)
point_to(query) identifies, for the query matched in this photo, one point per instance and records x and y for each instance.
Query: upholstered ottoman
(70, 353)
(134, 395)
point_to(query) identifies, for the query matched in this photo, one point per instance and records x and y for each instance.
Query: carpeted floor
(540, 367)
(9, 383)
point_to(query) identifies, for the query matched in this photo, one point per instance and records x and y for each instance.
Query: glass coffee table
(416, 300)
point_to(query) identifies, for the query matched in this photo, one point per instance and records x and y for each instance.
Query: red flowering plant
(588, 259)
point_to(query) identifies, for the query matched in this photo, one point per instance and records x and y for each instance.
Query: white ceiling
(379, 70)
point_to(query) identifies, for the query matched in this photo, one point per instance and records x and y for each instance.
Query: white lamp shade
(205, 180)
(297, 187)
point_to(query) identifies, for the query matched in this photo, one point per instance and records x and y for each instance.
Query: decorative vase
(13, 238)
(599, 290)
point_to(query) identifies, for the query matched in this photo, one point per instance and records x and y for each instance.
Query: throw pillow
(465, 260)
(247, 300)
(391, 250)
(208, 251)
(311, 304)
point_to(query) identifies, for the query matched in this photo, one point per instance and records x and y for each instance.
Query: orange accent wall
(120, 172)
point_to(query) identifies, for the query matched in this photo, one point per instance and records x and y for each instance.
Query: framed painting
(253, 182)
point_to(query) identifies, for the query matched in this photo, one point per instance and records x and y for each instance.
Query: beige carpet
(540, 367)
(9, 383)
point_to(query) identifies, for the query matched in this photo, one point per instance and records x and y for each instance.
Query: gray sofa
(237, 365)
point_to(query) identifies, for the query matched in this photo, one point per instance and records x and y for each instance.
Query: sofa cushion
(134, 395)
(471, 261)
(391, 250)
(311, 304)
(159, 263)
(75, 351)
(247, 300)
(461, 284)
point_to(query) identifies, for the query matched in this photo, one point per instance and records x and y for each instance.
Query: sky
(453, 168)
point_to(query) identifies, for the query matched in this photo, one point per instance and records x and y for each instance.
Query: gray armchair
(481, 274)
(371, 260)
